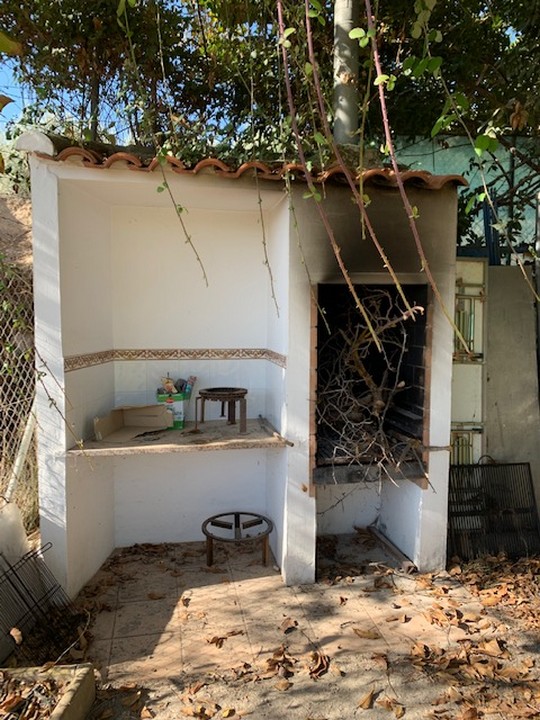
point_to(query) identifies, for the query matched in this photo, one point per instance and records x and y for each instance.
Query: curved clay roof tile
(125, 157)
(87, 156)
(383, 177)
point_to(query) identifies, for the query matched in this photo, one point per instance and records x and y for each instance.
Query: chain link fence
(17, 389)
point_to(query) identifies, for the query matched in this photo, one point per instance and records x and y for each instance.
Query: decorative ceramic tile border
(78, 362)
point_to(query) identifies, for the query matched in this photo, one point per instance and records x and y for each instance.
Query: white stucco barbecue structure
(120, 301)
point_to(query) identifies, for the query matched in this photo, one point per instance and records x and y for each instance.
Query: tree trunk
(346, 97)
(94, 105)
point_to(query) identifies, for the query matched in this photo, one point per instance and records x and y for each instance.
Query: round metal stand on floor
(237, 527)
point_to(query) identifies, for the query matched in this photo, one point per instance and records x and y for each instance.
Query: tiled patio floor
(168, 623)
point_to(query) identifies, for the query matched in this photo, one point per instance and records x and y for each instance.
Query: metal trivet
(229, 395)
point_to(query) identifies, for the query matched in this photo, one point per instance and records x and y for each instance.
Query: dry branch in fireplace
(363, 394)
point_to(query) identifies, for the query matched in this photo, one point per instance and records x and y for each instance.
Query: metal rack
(37, 618)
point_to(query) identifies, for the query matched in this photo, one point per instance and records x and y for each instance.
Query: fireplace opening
(370, 394)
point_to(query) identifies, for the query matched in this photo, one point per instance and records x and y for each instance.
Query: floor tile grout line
(242, 611)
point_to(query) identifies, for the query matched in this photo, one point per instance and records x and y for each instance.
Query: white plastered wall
(413, 518)
(127, 279)
(50, 396)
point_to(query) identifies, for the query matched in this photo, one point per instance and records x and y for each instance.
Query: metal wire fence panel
(492, 509)
(17, 382)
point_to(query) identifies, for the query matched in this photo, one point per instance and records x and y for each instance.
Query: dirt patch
(16, 230)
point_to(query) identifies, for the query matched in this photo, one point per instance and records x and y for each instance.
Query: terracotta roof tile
(383, 177)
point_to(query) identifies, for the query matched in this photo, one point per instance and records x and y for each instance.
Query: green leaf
(308, 69)
(420, 68)
(312, 194)
(381, 79)
(410, 62)
(288, 31)
(416, 31)
(356, 33)
(121, 8)
(461, 101)
(319, 138)
(485, 143)
(435, 36)
(434, 65)
(414, 212)
(439, 125)
(9, 46)
(364, 42)
(471, 202)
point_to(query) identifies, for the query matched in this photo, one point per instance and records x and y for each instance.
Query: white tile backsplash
(130, 375)
(94, 391)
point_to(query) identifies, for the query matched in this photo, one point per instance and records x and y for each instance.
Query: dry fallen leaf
(288, 625)
(283, 685)
(367, 633)
(366, 702)
(76, 654)
(155, 596)
(16, 634)
(216, 640)
(491, 647)
(194, 689)
(470, 713)
(381, 660)
(228, 712)
(203, 711)
(146, 713)
(392, 706)
(319, 664)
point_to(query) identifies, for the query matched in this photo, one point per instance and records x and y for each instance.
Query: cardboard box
(125, 423)
(175, 403)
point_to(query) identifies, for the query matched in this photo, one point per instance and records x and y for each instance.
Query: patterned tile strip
(78, 362)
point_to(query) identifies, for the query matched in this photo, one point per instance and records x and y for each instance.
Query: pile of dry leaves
(27, 698)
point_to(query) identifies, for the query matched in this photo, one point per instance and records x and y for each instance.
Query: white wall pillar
(50, 395)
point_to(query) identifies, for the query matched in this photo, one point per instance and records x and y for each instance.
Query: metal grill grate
(491, 509)
(37, 619)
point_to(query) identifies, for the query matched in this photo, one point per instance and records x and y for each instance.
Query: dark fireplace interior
(370, 399)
